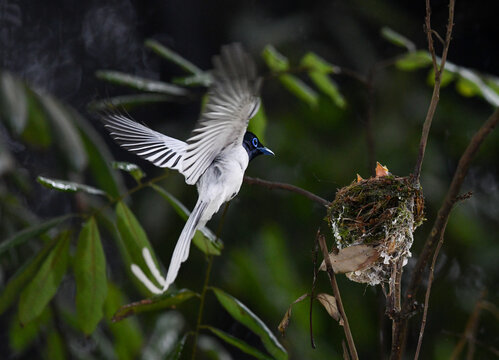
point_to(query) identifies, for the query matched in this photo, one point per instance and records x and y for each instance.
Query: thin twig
(283, 186)
(339, 303)
(439, 226)
(436, 88)
(312, 291)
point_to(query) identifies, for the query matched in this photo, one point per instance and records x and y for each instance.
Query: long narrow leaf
(241, 345)
(172, 56)
(68, 186)
(90, 276)
(32, 232)
(245, 316)
(13, 102)
(129, 102)
(300, 89)
(43, 287)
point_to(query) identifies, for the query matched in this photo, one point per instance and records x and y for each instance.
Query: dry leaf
(359, 178)
(283, 325)
(329, 303)
(381, 170)
(352, 258)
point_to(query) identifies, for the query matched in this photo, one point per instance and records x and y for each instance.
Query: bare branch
(283, 186)
(336, 292)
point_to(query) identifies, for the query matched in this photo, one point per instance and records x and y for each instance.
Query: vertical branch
(438, 75)
(336, 292)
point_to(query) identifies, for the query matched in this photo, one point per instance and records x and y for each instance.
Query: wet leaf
(329, 303)
(204, 239)
(283, 325)
(130, 168)
(177, 351)
(17, 282)
(397, 39)
(352, 258)
(275, 60)
(414, 60)
(37, 294)
(90, 276)
(300, 89)
(140, 83)
(202, 79)
(241, 345)
(245, 316)
(172, 56)
(68, 186)
(128, 102)
(13, 102)
(163, 301)
(32, 232)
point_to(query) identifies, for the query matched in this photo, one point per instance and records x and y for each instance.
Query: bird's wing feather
(181, 252)
(232, 101)
(161, 150)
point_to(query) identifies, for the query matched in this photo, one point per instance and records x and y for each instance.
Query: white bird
(216, 155)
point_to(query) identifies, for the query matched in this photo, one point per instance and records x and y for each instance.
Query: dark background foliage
(57, 46)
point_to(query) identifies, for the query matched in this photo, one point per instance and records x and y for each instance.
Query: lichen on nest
(381, 212)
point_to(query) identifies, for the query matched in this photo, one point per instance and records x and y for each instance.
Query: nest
(381, 212)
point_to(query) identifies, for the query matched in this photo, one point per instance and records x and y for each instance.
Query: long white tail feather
(181, 252)
(146, 254)
(137, 271)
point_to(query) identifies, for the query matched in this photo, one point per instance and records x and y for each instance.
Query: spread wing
(232, 101)
(161, 150)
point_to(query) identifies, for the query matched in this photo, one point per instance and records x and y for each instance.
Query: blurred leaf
(352, 258)
(127, 337)
(90, 276)
(470, 84)
(13, 102)
(328, 87)
(160, 302)
(43, 287)
(414, 60)
(23, 275)
(68, 186)
(130, 168)
(241, 345)
(258, 124)
(275, 60)
(446, 78)
(283, 325)
(172, 56)
(134, 239)
(32, 232)
(54, 346)
(21, 337)
(204, 239)
(37, 130)
(300, 89)
(245, 316)
(128, 102)
(202, 79)
(68, 138)
(177, 351)
(397, 39)
(493, 83)
(314, 62)
(329, 303)
(140, 83)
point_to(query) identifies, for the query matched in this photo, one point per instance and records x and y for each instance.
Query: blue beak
(265, 151)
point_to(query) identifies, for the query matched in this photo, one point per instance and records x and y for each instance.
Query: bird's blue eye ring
(255, 142)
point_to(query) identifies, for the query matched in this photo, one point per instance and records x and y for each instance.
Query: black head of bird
(254, 147)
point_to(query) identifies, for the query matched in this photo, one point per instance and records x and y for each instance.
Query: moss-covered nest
(381, 212)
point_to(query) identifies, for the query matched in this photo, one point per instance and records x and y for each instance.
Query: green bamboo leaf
(204, 239)
(314, 62)
(258, 123)
(90, 275)
(414, 60)
(274, 59)
(245, 316)
(300, 89)
(32, 232)
(397, 39)
(126, 334)
(37, 294)
(172, 56)
(203, 79)
(177, 351)
(68, 186)
(37, 130)
(22, 277)
(128, 102)
(241, 345)
(130, 168)
(13, 102)
(163, 301)
(68, 138)
(140, 83)
(328, 87)
(134, 239)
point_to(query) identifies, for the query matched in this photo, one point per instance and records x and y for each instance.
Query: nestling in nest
(375, 219)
